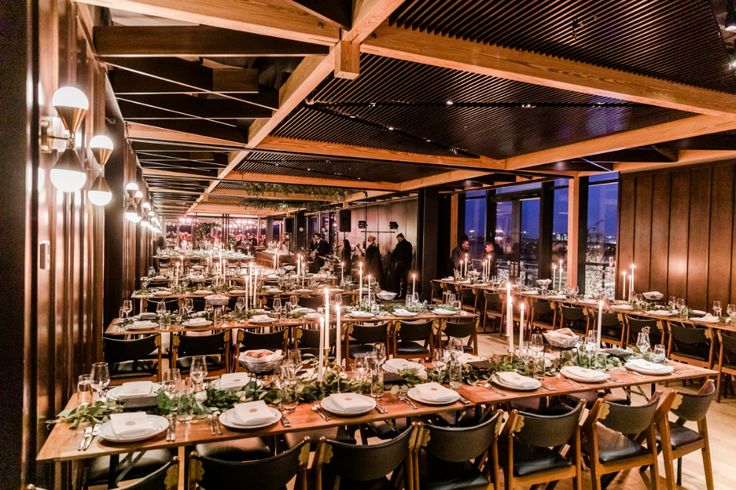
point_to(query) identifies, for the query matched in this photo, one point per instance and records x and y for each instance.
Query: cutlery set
(89, 434)
(214, 421)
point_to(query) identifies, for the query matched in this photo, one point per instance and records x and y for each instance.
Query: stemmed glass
(717, 310)
(127, 307)
(170, 382)
(99, 379)
(189, 306)
(536, 343)
(731, 311)
(240, 305)
(681, 306)
(672, 302)
(144, 281)
(642, 342)
(379, 352)
(198, 370)
(277, 306)
(161, 308)
(294, 301)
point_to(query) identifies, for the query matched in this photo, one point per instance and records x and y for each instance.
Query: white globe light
(68, 174)
(99, 193)
(131, 214)
(70, 97)
(101, 141)
(131, 187)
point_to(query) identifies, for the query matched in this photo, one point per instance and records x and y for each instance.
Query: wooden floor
(722, 431)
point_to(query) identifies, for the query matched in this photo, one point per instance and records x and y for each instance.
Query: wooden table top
(239, 292)
(63, 441)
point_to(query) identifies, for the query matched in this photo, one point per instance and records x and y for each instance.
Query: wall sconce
(99, 193)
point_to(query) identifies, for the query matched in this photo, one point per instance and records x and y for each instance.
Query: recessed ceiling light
(449, 102)
(428, 140)
(390, 128)
(309, 170)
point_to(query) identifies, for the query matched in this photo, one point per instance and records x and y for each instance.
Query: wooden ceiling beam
(241, 193)
(185, 106)
(545, 70)
(650, 135)
(439, 179)
(334, 12)
(274, 18)
(686, 157)
(202, 127)
(139, 131)
(196, 41)
(277, 143)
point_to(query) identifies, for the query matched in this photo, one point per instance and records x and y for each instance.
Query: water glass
(361, 370)
(127, 307)
(277, 305)
(170, 382)
(455, 373)
(659, 354)
(294, 301)
(100, 378)
(438, 358)
(198, 371)
(538, 368)
(161, 308)
(731, 311)
(379, 352)
(84, 389)
(642, 342)
(289, 399)
(536, 343)
(717, 310)
(186, 402)
(377, 382)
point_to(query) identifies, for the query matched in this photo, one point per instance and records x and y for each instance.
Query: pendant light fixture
(68, 173)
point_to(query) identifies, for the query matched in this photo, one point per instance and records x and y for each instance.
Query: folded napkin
(351, 402)
(660, 312)
(148, 316)
(135, 389)
(443, 311)
(261, 319)
(252, 413)
(635, 364)
(435, 392)
(397, 364)
(512, 378)
(403, 312)
(195, 322)
(708, 318)
(581, 373)
(301, 309)
(232, 380)
(131, 424)
(143, 324)
(202, 291)
(361, 314)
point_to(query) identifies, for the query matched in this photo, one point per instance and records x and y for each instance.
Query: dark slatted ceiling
(677, 40)
(442, 111)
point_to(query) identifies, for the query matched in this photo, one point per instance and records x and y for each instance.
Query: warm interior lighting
(99, 193)
(131, 214)
(730, 25)
(68, 174)
(101, 146)
(71, 104)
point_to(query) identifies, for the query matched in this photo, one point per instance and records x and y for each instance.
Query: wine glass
(189, 306)
(198, 370)
(145, 281)
(99, 379)
(170, 382)
(240, 305)
(731, 310)
(294, 301)
(717, 308)
(379, 351)
(161, 309)
(127, 307)
(642, 342)
(337, 299)
(672, 302)
(277, 305)
(536, 343)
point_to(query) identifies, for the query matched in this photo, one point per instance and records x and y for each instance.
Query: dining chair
(164, 478)
(436, 293)
(413, 339)
(612, 328)
(307, 341)
(109, 471)
(461, 329)
(133, 358)
(610, 432)
(492, 308)
(726, 359)
(215, 347)
(457, 457)
(543, 315)
(468, 297)
(341, 465)
(574, 318)
(269, 473)
(360, 337)
(276, 339)
(690, 345)
(311, 301)
(634, 325)
(677, 440)
(537, 448)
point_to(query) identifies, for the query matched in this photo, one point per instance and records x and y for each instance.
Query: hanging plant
(322, 193)
(282, 206)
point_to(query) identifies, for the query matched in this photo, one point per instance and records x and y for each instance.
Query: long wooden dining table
(63, 441)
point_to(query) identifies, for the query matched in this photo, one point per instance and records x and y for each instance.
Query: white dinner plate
(622, 307)
(508, 386)
(361, 314)
(190, 323)
(442, 311)
(329, 405)
(238, 291)
(227, 418)
(143, 326)
(405, 314)
(661, 312)
(584, 375)
(699, 313)
(413, 393)
(114, 393)
(160, 424)
(647, 367)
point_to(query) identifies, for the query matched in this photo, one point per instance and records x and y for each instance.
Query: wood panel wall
(679, 228)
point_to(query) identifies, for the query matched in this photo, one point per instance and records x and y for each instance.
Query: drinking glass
(277, 305)
(294, 301)
(455, 373)
(170, 382)
(377, 381)
(144, 282)
(127, 307)
(189, 306)
(379, 352)
(438, 358)
(451, 298)
(659, 354)
(288, 395)
(161, 308)
(100, 378)
(717, 308)
(337, 299)
(185, 401)
(362, 369)
(537, 359)
(198, 370)
(240, 305)
(731, 310)
(536, 343)
(672, 302)
(642, 342)
(458, 304)
(84, 389)
(295, 357)
(455, 346)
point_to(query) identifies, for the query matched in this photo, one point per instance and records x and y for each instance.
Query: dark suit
(400, 264)
(456, 256)
(373, 264)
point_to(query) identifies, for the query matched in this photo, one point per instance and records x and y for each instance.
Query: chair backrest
(572, 313)
(629, 419)
(164, 478)
(271, 473)
(171, 304)
(493, 300)
(309, 338)
(460, 328)
(542, 308)
(610, 321)
(311, 301)
(414, 329)
(457, 444)
(728, 342)
(636, 325)
(369, 462)
(118, 350)
(347, 299)
(436, 289)
(257, 340)
(549, 430)
(368, 334)
(688, 335)
(695, 406)
(200, 345)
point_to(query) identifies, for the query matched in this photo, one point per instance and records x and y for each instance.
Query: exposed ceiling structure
(391, 96)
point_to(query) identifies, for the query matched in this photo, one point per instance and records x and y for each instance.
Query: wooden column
(546, 218)
(428, 229)
(454, 222)
(573, 232)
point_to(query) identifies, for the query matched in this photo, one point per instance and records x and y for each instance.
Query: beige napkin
(351, 402)
(143, 324)
(512, 378)
(435, 392)
(261, 319)
(252, 413)
(581, 373)
(198, 321)
(708, 318)
(131, 424)
(648, 366)
(397, 364)
(232, 380)
(134, 389)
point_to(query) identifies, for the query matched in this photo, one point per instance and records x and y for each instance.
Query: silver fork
(171, 429)
(211, 421)
(489, 386)
(548, 387)
(408, 401)
(573, 383)
(285, 421)
(380, 408)
(86, 437)
(317, 409)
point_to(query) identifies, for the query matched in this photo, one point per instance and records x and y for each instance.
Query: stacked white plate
(404, 313)
(135, 389)
(583, 375)
(515, 381)
(251, 415)
(261, 319)
(647, 367)
(433, 394)
(361, 314)
(132, 427)
(661, 312)
(142, 325)
(443, 311)
(197, 322)
(348, 404)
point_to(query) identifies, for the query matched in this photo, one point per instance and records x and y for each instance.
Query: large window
(600, 251)
(475, 222)
(529, 240)
(559, 228)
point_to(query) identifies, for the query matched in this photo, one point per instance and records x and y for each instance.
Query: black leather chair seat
(681, 435)
(385, 430)
(411, 347)
(614, 446)
(213, 362)
(248, 449)
(356, 349)
(444, 475)
(529, 460)
(148, 463)
(134, 368)
(699, 353)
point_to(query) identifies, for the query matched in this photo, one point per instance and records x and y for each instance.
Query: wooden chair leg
(705, 452)
(652, 446)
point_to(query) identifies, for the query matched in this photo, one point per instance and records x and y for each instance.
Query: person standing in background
(346, 257)
(373, 263)
(458, 253)
(399, 265)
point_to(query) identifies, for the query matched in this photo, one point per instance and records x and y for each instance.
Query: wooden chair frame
(175, 340)
(721, 368)
(689, 360)
(430, 342)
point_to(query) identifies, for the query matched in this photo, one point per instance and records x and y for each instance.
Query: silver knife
(95, 433)
(87, 436)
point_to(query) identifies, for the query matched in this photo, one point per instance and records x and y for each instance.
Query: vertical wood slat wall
(679, 228)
